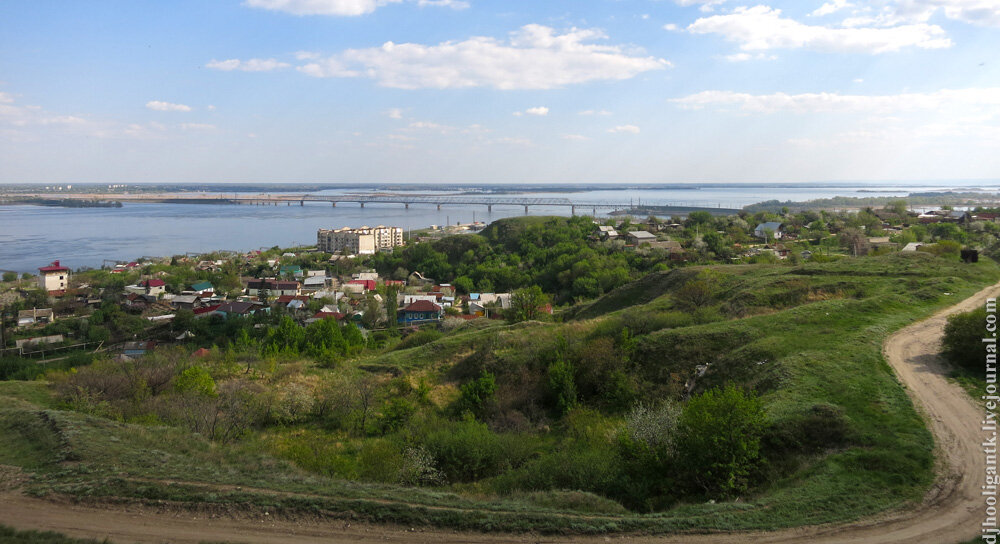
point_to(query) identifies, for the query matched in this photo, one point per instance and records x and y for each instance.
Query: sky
(485, 91)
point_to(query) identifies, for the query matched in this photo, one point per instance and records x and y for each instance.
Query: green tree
(10, 276)
(719, 438)
(562, 386)
(526, 304)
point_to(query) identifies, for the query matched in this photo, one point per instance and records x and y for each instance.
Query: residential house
(54, 277)
(770, 230)
(606, 232)
(242, 309)
(638, 237)
(273, 287)
(420, 311)
(313, 283)
(291, 270)
(35, 316)
(186, 302)
(203, 288)
(367, 275)
(488, 304)
(154, 287)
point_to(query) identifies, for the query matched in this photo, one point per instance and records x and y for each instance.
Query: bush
(478, 396)
(419, 338)
(468, 450)
(962, 345)
(718, 446)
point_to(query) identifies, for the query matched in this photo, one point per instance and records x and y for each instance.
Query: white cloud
(594, 112)
(762, 28)
(251, 65)
(980, 98)
(831, 7)
(453, 4)
(703, 5)
(319, 7)
(628, 129)
(534, 57)
(197, 126)
(210, 107)
(394, 113)
(744, 57)
(540, 111)
(575, 137)
(157, 105)
(342, 8)
(671, 27)
(892, 12)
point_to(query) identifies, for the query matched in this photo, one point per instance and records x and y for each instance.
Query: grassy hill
(842, 438)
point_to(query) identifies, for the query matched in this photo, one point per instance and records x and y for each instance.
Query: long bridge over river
(405, 199)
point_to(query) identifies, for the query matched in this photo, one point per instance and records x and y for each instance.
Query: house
(35, 316)
(487, 304)
(54, 277)
(368, 275)
(405, 299)
(138, 302)
(313, 283)
(776, 230)
(273, 287)
(369, 285)
(911, 247)
(418, 279)
(154, 286)
(203, 288)
(420, 311)
(640, 237)
(243, 309)
(186, 302)
(606, 232)
(291, 270)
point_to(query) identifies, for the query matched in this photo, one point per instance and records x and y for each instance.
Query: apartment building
(360, 241)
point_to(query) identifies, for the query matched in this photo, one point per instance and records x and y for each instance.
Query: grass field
(804, 337)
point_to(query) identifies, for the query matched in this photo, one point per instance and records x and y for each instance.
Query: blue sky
(488, 91)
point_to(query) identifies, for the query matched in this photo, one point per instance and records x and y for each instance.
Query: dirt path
(951, 512)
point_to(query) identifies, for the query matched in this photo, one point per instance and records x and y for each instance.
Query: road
(950, 513)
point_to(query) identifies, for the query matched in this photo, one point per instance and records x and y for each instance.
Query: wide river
(33, 236)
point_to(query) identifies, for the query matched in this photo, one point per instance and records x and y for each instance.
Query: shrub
(478, 396)
(719, 439)
(419, 338)
(468, 450)
(962, 345)
(562, 386)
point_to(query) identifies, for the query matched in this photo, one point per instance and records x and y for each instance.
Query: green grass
(822, 346)
(13, 536)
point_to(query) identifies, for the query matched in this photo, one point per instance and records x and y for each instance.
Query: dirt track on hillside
(950, 513)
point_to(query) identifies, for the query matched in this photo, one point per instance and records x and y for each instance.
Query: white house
(54, 277)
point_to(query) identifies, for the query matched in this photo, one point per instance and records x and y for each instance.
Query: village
(332, 280)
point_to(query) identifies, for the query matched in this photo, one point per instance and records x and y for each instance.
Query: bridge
(489, 201)
(468, 200)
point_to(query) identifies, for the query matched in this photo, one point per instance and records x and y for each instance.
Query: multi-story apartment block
(361, 241)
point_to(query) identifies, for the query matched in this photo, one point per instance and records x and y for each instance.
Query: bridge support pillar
(362, 204)
(439, 207)
(525, 210)
(406, 205)
(489, 208)
(302, 203)
(334, 204)
(595, 212)
(572, 210)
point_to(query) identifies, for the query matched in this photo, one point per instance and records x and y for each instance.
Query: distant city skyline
(475, 91)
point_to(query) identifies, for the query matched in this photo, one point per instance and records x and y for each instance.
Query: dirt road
(951, 512)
